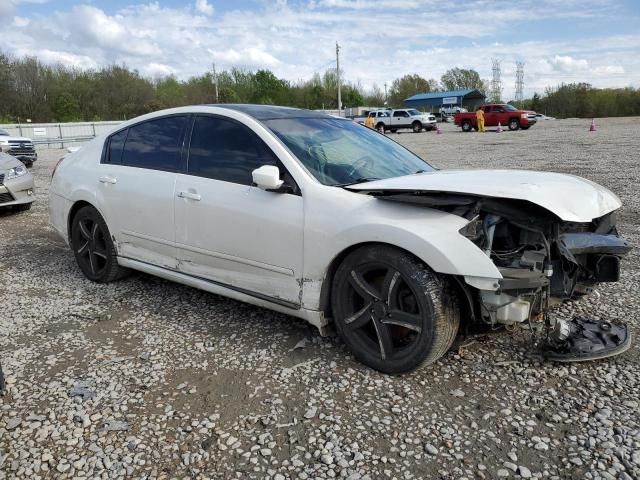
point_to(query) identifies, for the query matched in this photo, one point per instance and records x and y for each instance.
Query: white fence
(58, 135)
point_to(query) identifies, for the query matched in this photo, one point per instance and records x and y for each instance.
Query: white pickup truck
(19, 147)
(393, 120)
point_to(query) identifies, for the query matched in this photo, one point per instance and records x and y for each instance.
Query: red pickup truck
(494, 113)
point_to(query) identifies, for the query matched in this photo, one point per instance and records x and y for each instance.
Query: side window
(155, 144)
(116, 145)
(498, 109)
(224, 150)
(487, 109)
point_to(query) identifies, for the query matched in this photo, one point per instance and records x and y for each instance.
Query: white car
(16, 184)
(326, 220)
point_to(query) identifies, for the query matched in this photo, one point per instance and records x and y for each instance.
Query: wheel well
(72, 213)
(325, 291)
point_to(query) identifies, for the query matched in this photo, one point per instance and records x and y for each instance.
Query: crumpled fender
(431, 235)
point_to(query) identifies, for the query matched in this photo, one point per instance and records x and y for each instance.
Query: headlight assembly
(16, 172)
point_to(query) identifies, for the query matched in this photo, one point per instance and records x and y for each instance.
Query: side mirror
(267, 177)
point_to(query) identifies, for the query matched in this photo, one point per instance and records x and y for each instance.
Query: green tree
(406, 86)
(460, 79)
(66, 108)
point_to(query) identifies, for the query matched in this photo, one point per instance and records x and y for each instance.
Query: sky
(594, 41)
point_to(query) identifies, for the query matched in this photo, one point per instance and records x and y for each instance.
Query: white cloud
(20, 21)
(380, 39)
(568, 64)
(204, 7)
(609, 70)
(157, 70)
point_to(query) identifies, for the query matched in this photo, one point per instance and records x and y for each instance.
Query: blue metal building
(435, 100)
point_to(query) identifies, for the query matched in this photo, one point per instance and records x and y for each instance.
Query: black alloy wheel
(394, 313)
(93, 247)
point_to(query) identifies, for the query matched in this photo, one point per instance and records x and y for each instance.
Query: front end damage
(543, 260)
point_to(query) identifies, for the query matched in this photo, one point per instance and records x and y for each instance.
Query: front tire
(417, 127)
(514, 124)
(392, 311)
(93, 248)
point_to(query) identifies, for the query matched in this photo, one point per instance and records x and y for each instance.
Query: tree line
(585, 101)
(31, 89)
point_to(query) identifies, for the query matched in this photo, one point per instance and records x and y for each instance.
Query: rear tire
(380, 127)
(93, 248)
(466, 126)
(514, 124)
(392, 311)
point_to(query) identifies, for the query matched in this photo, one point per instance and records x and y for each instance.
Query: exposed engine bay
(543, 260)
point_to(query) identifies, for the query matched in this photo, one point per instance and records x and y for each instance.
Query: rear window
(116, 145)
(155, 144)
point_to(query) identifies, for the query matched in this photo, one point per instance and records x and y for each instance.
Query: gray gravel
(146, 378)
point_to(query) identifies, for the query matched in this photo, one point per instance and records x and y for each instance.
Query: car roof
(270, 112)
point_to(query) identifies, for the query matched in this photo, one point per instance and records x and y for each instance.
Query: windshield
(414, 112)
(510, 108)
(4, 132)
(339, 152)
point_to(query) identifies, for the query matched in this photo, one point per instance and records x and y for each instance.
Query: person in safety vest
(480, 119)
(369, 122)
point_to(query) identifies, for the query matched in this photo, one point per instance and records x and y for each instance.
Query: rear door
(136, 183)
(489, 116)
(229, 231)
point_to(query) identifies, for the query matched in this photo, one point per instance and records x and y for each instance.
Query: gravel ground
(146, 378)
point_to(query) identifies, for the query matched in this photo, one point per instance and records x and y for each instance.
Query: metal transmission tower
(519, 81)
(496, 83)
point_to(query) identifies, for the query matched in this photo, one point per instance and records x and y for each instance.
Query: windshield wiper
(357, 181)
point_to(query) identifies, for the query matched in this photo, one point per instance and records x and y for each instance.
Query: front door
(400, 119)
(229, 231)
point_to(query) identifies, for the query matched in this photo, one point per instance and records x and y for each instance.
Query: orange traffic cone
(499, 129)
(592, 128)
(438, 130)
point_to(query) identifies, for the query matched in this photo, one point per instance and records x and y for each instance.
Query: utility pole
(385, 93)
(215, 81)
(338, 72)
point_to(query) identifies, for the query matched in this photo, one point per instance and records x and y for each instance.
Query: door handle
(190, 196)
(108, 179)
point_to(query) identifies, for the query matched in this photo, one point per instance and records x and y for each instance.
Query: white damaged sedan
(332, 222)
